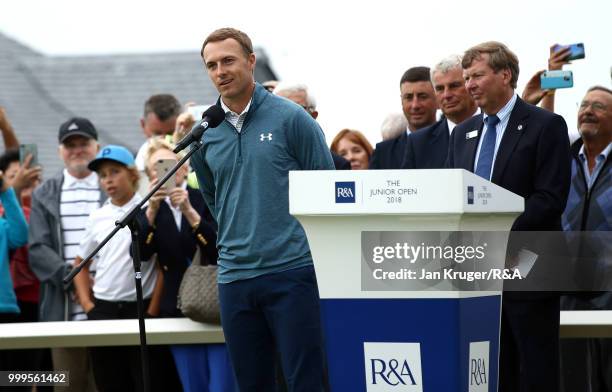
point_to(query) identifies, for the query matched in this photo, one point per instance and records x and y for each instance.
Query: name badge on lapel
(471, 135)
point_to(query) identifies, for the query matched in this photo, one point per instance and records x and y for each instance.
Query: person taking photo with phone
(175, 224)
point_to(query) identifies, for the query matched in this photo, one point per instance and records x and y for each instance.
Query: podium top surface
(399, 192)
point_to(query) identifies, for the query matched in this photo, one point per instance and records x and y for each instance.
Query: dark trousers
(270, 313)
(529, 346)
(119, 368)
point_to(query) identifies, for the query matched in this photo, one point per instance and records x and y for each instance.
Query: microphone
(211, 118)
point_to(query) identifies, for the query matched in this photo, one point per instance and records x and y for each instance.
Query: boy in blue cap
(114, 291)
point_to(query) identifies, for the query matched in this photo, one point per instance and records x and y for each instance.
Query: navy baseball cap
(77, 126)
(113, 153)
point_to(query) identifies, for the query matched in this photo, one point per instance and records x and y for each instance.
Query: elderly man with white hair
(427, 148)
(298, 93)
(393, 126)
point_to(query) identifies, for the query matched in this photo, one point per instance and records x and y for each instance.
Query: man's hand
(87, 305)
(558, 59)
(184, 123)
(533, 93)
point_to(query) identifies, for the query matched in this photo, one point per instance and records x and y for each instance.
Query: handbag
(198, 296)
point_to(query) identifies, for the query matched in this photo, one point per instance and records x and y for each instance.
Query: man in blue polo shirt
(267, 286)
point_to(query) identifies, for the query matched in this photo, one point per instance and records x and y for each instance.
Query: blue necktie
(487, 149)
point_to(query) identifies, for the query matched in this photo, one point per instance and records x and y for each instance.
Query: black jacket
(176, 248)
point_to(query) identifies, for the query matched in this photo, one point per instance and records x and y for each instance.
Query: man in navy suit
(427, 148)
(419, 106)
(525, 150)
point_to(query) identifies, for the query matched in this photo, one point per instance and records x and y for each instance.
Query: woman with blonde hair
(354, 147)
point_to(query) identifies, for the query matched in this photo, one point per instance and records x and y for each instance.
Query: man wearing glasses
(299, 94)
(589, 208)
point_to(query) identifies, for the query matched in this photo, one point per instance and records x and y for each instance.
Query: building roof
(40, 92)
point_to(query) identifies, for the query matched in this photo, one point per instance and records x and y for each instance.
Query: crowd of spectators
(48, 225)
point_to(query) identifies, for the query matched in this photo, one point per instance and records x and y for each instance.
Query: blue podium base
(435, 345)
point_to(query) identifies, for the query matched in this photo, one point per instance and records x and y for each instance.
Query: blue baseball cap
(113, 153)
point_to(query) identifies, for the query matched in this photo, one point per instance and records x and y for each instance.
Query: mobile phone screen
(162, 167)
(28, 149)
(576, 51)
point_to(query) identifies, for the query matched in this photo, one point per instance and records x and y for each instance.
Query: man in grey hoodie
(60, 207)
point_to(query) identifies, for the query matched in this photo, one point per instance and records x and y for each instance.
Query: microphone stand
(129, 220)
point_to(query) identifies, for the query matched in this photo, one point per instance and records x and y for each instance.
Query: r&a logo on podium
(394, 367)
(345, 192)
(479, 367)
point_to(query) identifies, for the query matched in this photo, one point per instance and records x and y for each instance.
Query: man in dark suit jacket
(419, 106)
(525, 150)
(427, 148)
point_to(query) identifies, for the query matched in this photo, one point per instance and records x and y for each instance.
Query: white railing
(574, 324)
(107, 333)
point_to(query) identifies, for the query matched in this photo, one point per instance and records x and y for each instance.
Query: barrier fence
(574, 324)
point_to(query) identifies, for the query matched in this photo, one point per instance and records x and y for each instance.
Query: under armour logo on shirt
(263, 137)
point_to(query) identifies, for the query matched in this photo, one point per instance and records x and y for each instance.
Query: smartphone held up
(552, 80)
(576, 51)
(28, 149)
(162, 167)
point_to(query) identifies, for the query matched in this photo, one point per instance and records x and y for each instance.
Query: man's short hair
(164, 106)
(600, 88)
(500, 58)
(449, 63)
(296, 88)
(415, 74)
(229, 32)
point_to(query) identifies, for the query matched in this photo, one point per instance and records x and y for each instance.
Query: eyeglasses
(595, 106)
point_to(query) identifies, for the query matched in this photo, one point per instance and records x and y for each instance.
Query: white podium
(400, 340)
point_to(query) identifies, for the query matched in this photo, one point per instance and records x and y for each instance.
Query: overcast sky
(350, 54)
